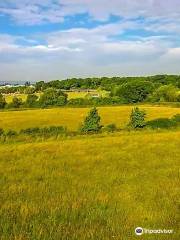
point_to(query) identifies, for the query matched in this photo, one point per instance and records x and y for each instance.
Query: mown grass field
(93, 187)
(72, 117)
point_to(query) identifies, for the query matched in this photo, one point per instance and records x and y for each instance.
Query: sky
(59, 39)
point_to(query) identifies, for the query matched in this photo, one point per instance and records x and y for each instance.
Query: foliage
(2, 101)
(133, 92)
(161, 123)
(1, 131)
(31, 100)
(45, 131)
(91, 122)
(16, 102)
(137, 118)
(11, 133)
(52, 97)
(166, 93)
(176, 118)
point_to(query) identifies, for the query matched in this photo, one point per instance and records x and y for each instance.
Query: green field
(72, 117)
(89, 187)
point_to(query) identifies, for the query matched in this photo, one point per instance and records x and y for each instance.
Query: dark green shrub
(16, 102)
(45, 131)
(91, 122)
(52, 97)
(165, 123)
(1, 131)
(31, 100)
(11, 133)
(176, 118)
(137, 118)
(2, 101)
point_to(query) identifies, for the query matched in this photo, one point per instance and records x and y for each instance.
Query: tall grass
(95, 187)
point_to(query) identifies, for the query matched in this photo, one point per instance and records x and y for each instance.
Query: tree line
(92, 125)
(160, 88)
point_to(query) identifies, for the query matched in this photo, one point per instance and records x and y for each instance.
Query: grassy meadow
(96, 187)
(72, 117)
(100, 186)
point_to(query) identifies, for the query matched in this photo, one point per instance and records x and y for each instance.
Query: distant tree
(165, 93)
(2, 101)
(135, 91)
(91, 122)
(27, 84)
(29, 90)
(39, 86)
(16, 102)
(31, 100)
(137, 118)
(52, 97)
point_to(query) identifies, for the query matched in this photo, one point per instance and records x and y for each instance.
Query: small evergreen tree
(91, 122)
(137, 118)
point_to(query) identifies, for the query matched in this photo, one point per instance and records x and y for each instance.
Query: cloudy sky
(56, 39)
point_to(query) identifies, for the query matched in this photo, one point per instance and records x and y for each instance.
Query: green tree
(31, 100)
(2, 101)
(91, 122)
(53, 97)
(166, 93)
(16, 102)
(135, 91)
(137, 118)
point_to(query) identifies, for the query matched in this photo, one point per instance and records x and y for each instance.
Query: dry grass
(72, 117)
(96, 187)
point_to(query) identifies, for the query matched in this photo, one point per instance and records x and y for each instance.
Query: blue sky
(58, 39)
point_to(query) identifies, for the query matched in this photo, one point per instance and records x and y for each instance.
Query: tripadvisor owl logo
(139, 231)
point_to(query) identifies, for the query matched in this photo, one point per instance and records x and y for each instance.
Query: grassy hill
(96, 187)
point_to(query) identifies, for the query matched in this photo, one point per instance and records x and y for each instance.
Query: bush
(11, 133)
(16, 102)
(52, 97)
(165, 123)
(137, 118)
(176, 118)
(31, 100)
(1, 131)
(91, 122)
(44, 132)
(2, 101)
(110, 128)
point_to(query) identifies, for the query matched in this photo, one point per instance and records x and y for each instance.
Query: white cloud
(102, 50)
(36, 12)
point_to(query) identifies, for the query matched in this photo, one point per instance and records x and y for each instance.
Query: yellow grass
(9, 97)
(93, 187)
(72, 117)
(76, 94)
